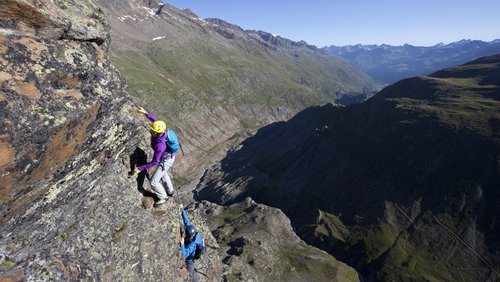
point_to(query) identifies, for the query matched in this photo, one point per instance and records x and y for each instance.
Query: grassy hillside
(245, 73)
(215, 82)
(201, 72)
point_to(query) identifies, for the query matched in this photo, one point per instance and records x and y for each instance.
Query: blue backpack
(200, 249)
(172, 141)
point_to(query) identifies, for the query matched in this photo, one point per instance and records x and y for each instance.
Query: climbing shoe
(160, 202)
(170, 194)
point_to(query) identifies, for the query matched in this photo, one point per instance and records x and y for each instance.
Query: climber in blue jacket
(194, 246)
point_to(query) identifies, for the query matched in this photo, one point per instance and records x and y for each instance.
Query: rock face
(68, 137)
(257, 243)
(56, 81)
(402, 187)
(80, 21)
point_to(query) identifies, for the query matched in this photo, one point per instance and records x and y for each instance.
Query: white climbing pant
(160, 178)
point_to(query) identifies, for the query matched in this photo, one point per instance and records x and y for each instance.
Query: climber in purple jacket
(161, 157)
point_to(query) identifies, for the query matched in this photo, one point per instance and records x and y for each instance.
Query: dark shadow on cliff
(372, 183)
(139, 157)
(331, 165)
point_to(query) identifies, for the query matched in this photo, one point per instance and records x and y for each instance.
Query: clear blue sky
(349, 22)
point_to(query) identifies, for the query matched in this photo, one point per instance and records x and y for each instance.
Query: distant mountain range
(388, 64)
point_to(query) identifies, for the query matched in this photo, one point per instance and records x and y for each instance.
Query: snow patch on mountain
(123, 18)
(150, 11)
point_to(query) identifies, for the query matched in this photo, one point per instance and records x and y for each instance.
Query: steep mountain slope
(402, 187)
(388, 64)
(68, 212)
(258, 244)
(69, 136)
(213, 80)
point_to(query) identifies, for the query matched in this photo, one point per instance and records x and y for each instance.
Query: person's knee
(156, 183)
(192, 273)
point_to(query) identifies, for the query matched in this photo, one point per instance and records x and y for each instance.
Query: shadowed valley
(402, 187)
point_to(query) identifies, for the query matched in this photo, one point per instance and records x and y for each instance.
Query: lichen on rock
(68, 210)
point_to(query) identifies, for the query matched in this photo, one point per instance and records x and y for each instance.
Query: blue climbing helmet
(190, 230)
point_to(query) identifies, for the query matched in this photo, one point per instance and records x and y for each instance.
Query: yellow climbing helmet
(159, 126)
